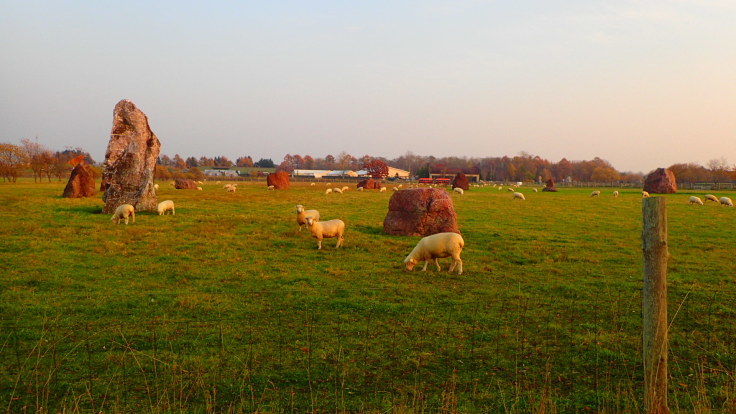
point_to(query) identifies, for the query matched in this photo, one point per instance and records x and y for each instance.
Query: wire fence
(515, 353)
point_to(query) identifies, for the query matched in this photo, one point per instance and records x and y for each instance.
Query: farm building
(473, 173)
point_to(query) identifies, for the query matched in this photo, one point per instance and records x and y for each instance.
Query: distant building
(395, 172)
(221, 173)
(310, 173)
(472, 173)
(341, 173)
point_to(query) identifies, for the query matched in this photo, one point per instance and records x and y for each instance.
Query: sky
(642, 84)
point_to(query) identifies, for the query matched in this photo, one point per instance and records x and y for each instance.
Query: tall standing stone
(130, 160)
(279, 180)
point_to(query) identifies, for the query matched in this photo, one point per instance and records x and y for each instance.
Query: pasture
(227, 307)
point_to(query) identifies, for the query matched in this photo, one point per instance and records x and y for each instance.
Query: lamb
(458, 190)
(518, 195)
(726, 201)
(615, 194)
(302, 215)
(644, 194)
(711, 197)
(437, 246)
(124, 211)
(696, 200)
(326, 229)
(165, 206)
(383, 189)
(595, 193)
(337, 190)
(328, 191)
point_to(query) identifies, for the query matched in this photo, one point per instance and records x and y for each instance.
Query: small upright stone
(660, 181)
(279, 180)
(127, 173)
(370, 184)
(185, 184)
(550, 186)
(420, 212)
(460, 181)
(81, 182)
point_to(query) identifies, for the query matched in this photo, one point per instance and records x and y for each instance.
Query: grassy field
(227, 307)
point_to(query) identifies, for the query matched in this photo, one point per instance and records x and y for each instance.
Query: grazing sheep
(270, 187)
(325, 230)
(644, 194)
(510, 188)
(383, 189)
(535, 190)
(230, 188)
(199, 188)
(711, 197)
(395, 189)
(328, 184)
(155, 186)
(696, 200)
(328, 191)
(458, 190)
(400, 185)
(726, 201)
(124, 211)
(360, 188)
(437, 246)
(615, 194)
(302, 215)
(311, 184)
(346, 188)
(165, 206)
(518, 195)
(595, 193)
(337, 190)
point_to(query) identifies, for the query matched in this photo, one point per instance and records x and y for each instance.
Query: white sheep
(345, 188)
(124, 211)
(711, 197)
(328, 191)
(518, 195)
(325, 230)
(155, 186)
(535, 190)
(595, 193)
(231, 188)
(199, 188)
(395, 189)
(302, 215)
(458, 190)
(510, 188)
(726, 201)
(437, 246)
(615, 194)
(360, 188)
(311, 184)
(270, 187)
(696, 200)
(644, 194)
(383, 189)
(165, 206)
(337, 190)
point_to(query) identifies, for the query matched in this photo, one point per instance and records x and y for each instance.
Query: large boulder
(127, 173)
(185, 184)
(420, 212)
(550, 186)
(370, 184)
(460, 181)
(279, 180)
(81, 183)
(660, 181)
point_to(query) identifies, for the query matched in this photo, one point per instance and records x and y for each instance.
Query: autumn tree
(222, 162)
(329, 161)
(39, 159)
(308, 162)
(264, 163)
(12, 159)
(245, 162)
(191, 162)
(376, 168)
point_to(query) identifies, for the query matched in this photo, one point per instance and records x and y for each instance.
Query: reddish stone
(127, 173)
(81, 183)
(279, 180)
(185, 184)
(420, 212)
(460, 181)
(550, 185)
(370, 184)
(660, 181)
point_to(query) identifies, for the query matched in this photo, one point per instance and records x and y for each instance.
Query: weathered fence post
(654, 304)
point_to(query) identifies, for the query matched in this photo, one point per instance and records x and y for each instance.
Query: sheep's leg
(132, 214)
(126, 220)
(426, 262)
(437, 263)
(339, 241)
(319, 244)
(173, 212)
(457, 261)
(452, 265)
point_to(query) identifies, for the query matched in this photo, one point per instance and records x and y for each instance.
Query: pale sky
(642, 84)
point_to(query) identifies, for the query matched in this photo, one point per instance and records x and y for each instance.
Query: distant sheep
(302, 215)
(395, 189)
(124, 211)
(458, 190)
(595, 193)
(726, 201)
(346, 188)
(165, 206)
(383, 189)
(199, 188)
(696, 200)
(518, 195)
(230, 188)
(360, 188)
(325, 230)
(535, 190)
(644, 194)
(337, 190)
(510, 189)
(311, 184)
(437, 246)
(615, 194)
(328, 191)
(711, 197)
(155, 186)
(270, 187)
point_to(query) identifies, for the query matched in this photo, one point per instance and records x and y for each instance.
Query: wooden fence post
(654, 304)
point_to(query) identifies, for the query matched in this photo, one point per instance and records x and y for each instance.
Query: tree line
(32, 158)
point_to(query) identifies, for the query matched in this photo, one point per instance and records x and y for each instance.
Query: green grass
(227, 307)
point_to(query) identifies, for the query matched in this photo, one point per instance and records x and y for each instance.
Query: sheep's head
(310, 221)
(299, 208)
(410, 263)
